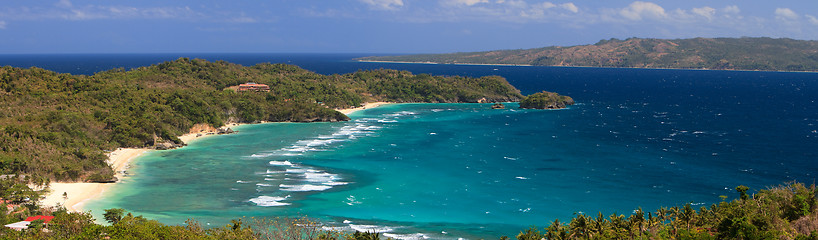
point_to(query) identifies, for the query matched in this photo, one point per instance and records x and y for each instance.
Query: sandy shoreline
(72, 195)
(365, 106)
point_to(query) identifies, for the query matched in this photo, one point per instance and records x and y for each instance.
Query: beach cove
(72, 195)
(637, 138)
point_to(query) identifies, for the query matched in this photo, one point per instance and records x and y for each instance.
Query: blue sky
(380, 26)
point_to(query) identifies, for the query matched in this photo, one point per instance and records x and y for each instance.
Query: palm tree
(579, 226)
(662, 214)
(651, 222)
(618, 224)
(637, 219)
(556, 231)
(600, 224)
(673, 214)
(687, 214)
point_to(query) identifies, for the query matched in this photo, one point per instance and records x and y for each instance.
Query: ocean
(636, 138)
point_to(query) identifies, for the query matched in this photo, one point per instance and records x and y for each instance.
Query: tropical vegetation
(59, 126)
(546, 100)
(788, 211)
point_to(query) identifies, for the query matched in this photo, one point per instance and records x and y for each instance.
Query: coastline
(437, 63)
(73, 195)
(603, 67)
(348, 111)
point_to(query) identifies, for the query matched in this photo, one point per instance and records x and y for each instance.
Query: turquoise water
(638, 137)
(425, 170)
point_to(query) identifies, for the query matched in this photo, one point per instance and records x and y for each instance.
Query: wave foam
(303, 187)
(281, 163)
(370, 228)
(268, 201)
(413, 236)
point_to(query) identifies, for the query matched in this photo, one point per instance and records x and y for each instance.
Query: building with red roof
(19, 226)
(251, 86)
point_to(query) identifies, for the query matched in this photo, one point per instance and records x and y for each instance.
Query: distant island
(546, 100)
(757, 54)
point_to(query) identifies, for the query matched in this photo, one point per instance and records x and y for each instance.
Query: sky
(380, 26)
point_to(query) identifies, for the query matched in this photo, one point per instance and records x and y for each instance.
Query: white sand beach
(73, 195)
(365, 106)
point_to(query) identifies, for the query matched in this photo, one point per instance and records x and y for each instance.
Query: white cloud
(731, 10)
(124, 12)
(812, 19)
(65, 4)
(640, 10)
(706, 12)
(2, 24)
(384, 4)
(570, 7)
(785, 14)
(467, 2)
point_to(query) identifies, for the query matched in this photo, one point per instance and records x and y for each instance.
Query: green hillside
(58, 126)
(765, 54)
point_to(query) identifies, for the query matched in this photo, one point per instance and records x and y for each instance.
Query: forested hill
(58, 126)
(766, 54)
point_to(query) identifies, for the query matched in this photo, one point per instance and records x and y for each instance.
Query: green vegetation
(58, 126)
(122, 225)
(784, 212)
(766, 54)
(546, 100)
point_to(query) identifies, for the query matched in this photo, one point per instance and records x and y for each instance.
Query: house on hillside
(256, 87)
(21, 225)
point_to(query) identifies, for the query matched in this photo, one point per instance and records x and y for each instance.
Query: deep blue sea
(637, 138)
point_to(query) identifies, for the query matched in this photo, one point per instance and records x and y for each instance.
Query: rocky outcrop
(546, 100)
(168, 145)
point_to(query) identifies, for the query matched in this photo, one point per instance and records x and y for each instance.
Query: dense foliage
(766, 54)
(58, 126)
(122, 225)
(546, 100)
(784, 212)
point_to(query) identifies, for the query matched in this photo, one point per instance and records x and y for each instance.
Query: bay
(637, 138)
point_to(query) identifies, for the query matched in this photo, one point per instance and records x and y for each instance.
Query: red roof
(45, 219)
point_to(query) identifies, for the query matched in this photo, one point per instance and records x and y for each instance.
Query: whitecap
(263, 185)
(370, 228)
(303, 187)
(240, 181)
(261, 155)
(281, 163)
(268, 201)
(300, 170)
(522, 178)
(320, 177)
(335, 183)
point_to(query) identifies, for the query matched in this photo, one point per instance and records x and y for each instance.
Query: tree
(742, 191)
(113, 215)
